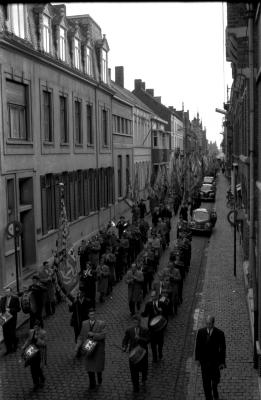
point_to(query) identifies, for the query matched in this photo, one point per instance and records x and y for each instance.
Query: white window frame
(104, 65)
(18, 23)
(88, 61)
(46, 33)
(77, 53)
(62, 41)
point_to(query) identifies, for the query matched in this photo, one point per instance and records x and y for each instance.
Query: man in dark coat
(36, 301)
(153, 308)
(137, 336)
(121, 226)
(10, 303)
(143, 209)
(79, 308)
(210, 353)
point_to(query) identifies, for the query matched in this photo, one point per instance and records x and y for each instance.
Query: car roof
(209, 176)
(201, 210)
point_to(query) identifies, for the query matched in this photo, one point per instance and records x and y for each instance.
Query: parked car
(207, 192)
(201, 221)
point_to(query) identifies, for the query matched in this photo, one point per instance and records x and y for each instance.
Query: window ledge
(21, 142)
(91, 146)
(48, 143)
(65, 144)
(78, 144)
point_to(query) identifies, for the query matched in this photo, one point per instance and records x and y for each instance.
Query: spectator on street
(79, 307)
(94, 329)
(10, 304)
(136, 341)
(37, 336)
(210, 353)
(87, 282)
(121, 226)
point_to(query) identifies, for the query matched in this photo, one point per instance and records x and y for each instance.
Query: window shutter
(57, 179)
(86, 193)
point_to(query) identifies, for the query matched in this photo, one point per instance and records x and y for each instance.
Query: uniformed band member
(153, 308)
(137, 336)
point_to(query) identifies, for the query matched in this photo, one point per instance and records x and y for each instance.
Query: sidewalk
(225, 297)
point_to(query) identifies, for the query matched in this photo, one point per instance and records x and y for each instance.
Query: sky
(176, 48)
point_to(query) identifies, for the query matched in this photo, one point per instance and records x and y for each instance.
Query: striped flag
(68, 268)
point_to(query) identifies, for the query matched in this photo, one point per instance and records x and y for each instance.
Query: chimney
(158, 98)
(138, 84)
(150, 91)
(119, 76)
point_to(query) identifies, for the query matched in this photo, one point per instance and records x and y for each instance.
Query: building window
(119, 176)
(118, 124)
(77, 122)
(62, 44)
(47, 116)
(155, 139)
(63, 120)
(89, 125)
(104, 66)
(18, 20)
(77, 53)
(88, 61)
(10, 190)
(105, 127)
(16, 94)
(46, 33)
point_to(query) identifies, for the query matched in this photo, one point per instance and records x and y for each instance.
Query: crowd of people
(129, 251)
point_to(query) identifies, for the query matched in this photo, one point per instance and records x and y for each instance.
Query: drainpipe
(252, 260)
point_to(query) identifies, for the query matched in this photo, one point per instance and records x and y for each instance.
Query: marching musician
(79, 307)
(121, 226)
(93, 329)
(153, 308)
(37, 336)
(137, 336)
(36, 300)
(87, 282)
(10, 303)
(134, 279)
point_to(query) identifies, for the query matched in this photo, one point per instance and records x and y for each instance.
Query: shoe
(92, 387)
(35, 387)
(136, 390)
(160, 356)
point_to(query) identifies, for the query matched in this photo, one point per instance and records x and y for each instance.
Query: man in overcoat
(79, 308)
(134, 279)
(137, 336)
(10, 303)
(210, 353)
(95, 329)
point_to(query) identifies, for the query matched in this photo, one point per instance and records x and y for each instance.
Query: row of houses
(242, 146)
(63, 119)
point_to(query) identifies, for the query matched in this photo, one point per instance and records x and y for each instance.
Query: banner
(68, 263)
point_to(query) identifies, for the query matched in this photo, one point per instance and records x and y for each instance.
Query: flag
(68, 263)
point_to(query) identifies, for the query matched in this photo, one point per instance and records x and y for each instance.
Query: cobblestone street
(209, 287)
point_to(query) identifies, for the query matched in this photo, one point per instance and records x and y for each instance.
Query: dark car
(207, 192)
(201, 221)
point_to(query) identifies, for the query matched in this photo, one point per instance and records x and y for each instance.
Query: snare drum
(137, 354)
(158, 323)
(89, 346)
(29, 354)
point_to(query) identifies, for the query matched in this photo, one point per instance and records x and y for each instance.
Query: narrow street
(176, 376)
(66, 377)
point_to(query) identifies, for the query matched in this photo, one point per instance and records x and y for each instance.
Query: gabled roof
(130, 97)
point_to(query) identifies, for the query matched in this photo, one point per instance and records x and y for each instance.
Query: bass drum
(158, 323)
(137, 354)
